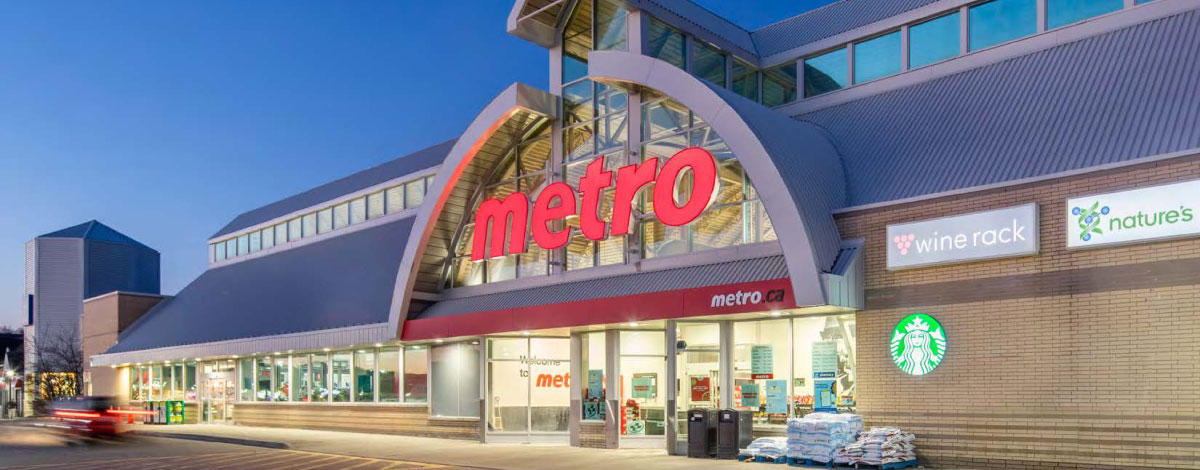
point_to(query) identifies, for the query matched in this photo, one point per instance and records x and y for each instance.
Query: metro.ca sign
(511, 218)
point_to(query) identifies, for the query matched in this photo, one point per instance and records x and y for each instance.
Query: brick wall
(1067, 359)
(382, 419)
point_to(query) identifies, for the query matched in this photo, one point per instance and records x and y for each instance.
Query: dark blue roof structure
(425, 158)
(94, 230)
(1106, 99)
(344, 281)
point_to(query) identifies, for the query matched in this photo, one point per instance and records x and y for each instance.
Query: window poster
(762, 362)
(776, 396)
(701, 387)
(593, 410)
(824, 397)
(749, 395)
(824, 359)
(595, 384)
(645, 386)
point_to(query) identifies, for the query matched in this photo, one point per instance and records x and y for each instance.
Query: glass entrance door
(528, 381)
(698, 372)
(218, 392)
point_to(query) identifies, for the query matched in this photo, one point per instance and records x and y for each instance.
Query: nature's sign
(498, 220)
(918, 344)
(997, 233)
(1139, 215)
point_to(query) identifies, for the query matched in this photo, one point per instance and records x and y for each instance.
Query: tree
(57, 371)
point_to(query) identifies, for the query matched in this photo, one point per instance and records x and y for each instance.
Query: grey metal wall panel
(340, 282)
(748, 270)
(59, 287)
(425, 158)
(1110, 98)
(115, 266)
(827, 21)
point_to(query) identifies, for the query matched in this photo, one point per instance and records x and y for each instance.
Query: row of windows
(377, 375)
(773, 86)
(387, 201)
(934, 40)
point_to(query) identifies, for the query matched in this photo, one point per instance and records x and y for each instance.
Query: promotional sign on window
(701, 388)
(918, 344)
(749, 395)
(645, 386)
(824, 396)
(824, 359)
(776, 396)
(595, 384)
(1139, 215)
(991, 234)
(762, 362)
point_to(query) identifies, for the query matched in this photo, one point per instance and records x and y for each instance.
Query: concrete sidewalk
(439, 451)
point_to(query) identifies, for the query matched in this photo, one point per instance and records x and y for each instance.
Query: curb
(201, 437)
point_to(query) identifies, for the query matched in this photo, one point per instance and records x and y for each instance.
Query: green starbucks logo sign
(918, 344)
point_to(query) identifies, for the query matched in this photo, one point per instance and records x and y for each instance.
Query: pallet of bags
(765, 449)
(883, 447)
(818, 436)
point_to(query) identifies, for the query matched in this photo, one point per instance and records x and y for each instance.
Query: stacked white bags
(818, 436)
(769, 447)
(880, 445)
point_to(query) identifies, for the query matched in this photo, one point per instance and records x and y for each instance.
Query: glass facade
(416, 373)
(779, 85)
(1064, 12)
(364, 376)
(1000, 21)
(340, 375)
(389, 375)
(455, 376)
(825, 73)
(708, 63)
(745, 80)
(933, 41)
(408, 195)
(643, 366)
(665, 43)
(877, 57)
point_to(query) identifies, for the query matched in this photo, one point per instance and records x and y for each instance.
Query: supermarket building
(697, 215)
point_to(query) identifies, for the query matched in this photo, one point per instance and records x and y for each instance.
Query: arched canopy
(501, 124)
(795, 169)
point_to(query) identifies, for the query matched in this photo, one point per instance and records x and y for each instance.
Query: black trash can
(735, 431)
(702, 433)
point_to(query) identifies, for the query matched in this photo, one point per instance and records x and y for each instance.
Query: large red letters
(510, 218)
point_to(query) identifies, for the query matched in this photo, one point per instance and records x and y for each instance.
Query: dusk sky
(165, 119)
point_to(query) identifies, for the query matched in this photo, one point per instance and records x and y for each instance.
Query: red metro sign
(511, 218)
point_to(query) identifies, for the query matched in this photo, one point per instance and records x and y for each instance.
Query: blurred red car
(90, 415)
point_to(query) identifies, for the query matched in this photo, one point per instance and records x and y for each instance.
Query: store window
(762, 369)
(135, 383)
(665, 43)
(364, 376)
(1063, 12)
(174, 376)
(1000, 21)
(825, 73)
(455, 375)
(643, 366)
(281, 389)
(416, 373)
(708, 63)
(528, 385)
(300, 379)
(824, 358)
(157, 382)
(745, 79)
(594, 366)
(389, 375)
(341, 375)
(877, 57)
(779, 85)
(508, 385)
(246, 372)
(934, 40)
(319, 385)
(189, 381)
(262, 378)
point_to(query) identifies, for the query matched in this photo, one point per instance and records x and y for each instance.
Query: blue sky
(164, 119)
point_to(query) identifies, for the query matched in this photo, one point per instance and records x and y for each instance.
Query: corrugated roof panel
(416, 161)
(747, 270)
(1106, 99)
(827, 21)
(344, 281)
(707, 21)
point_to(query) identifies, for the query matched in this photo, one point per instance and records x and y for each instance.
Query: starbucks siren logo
(1089, 220)
(918, 344)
